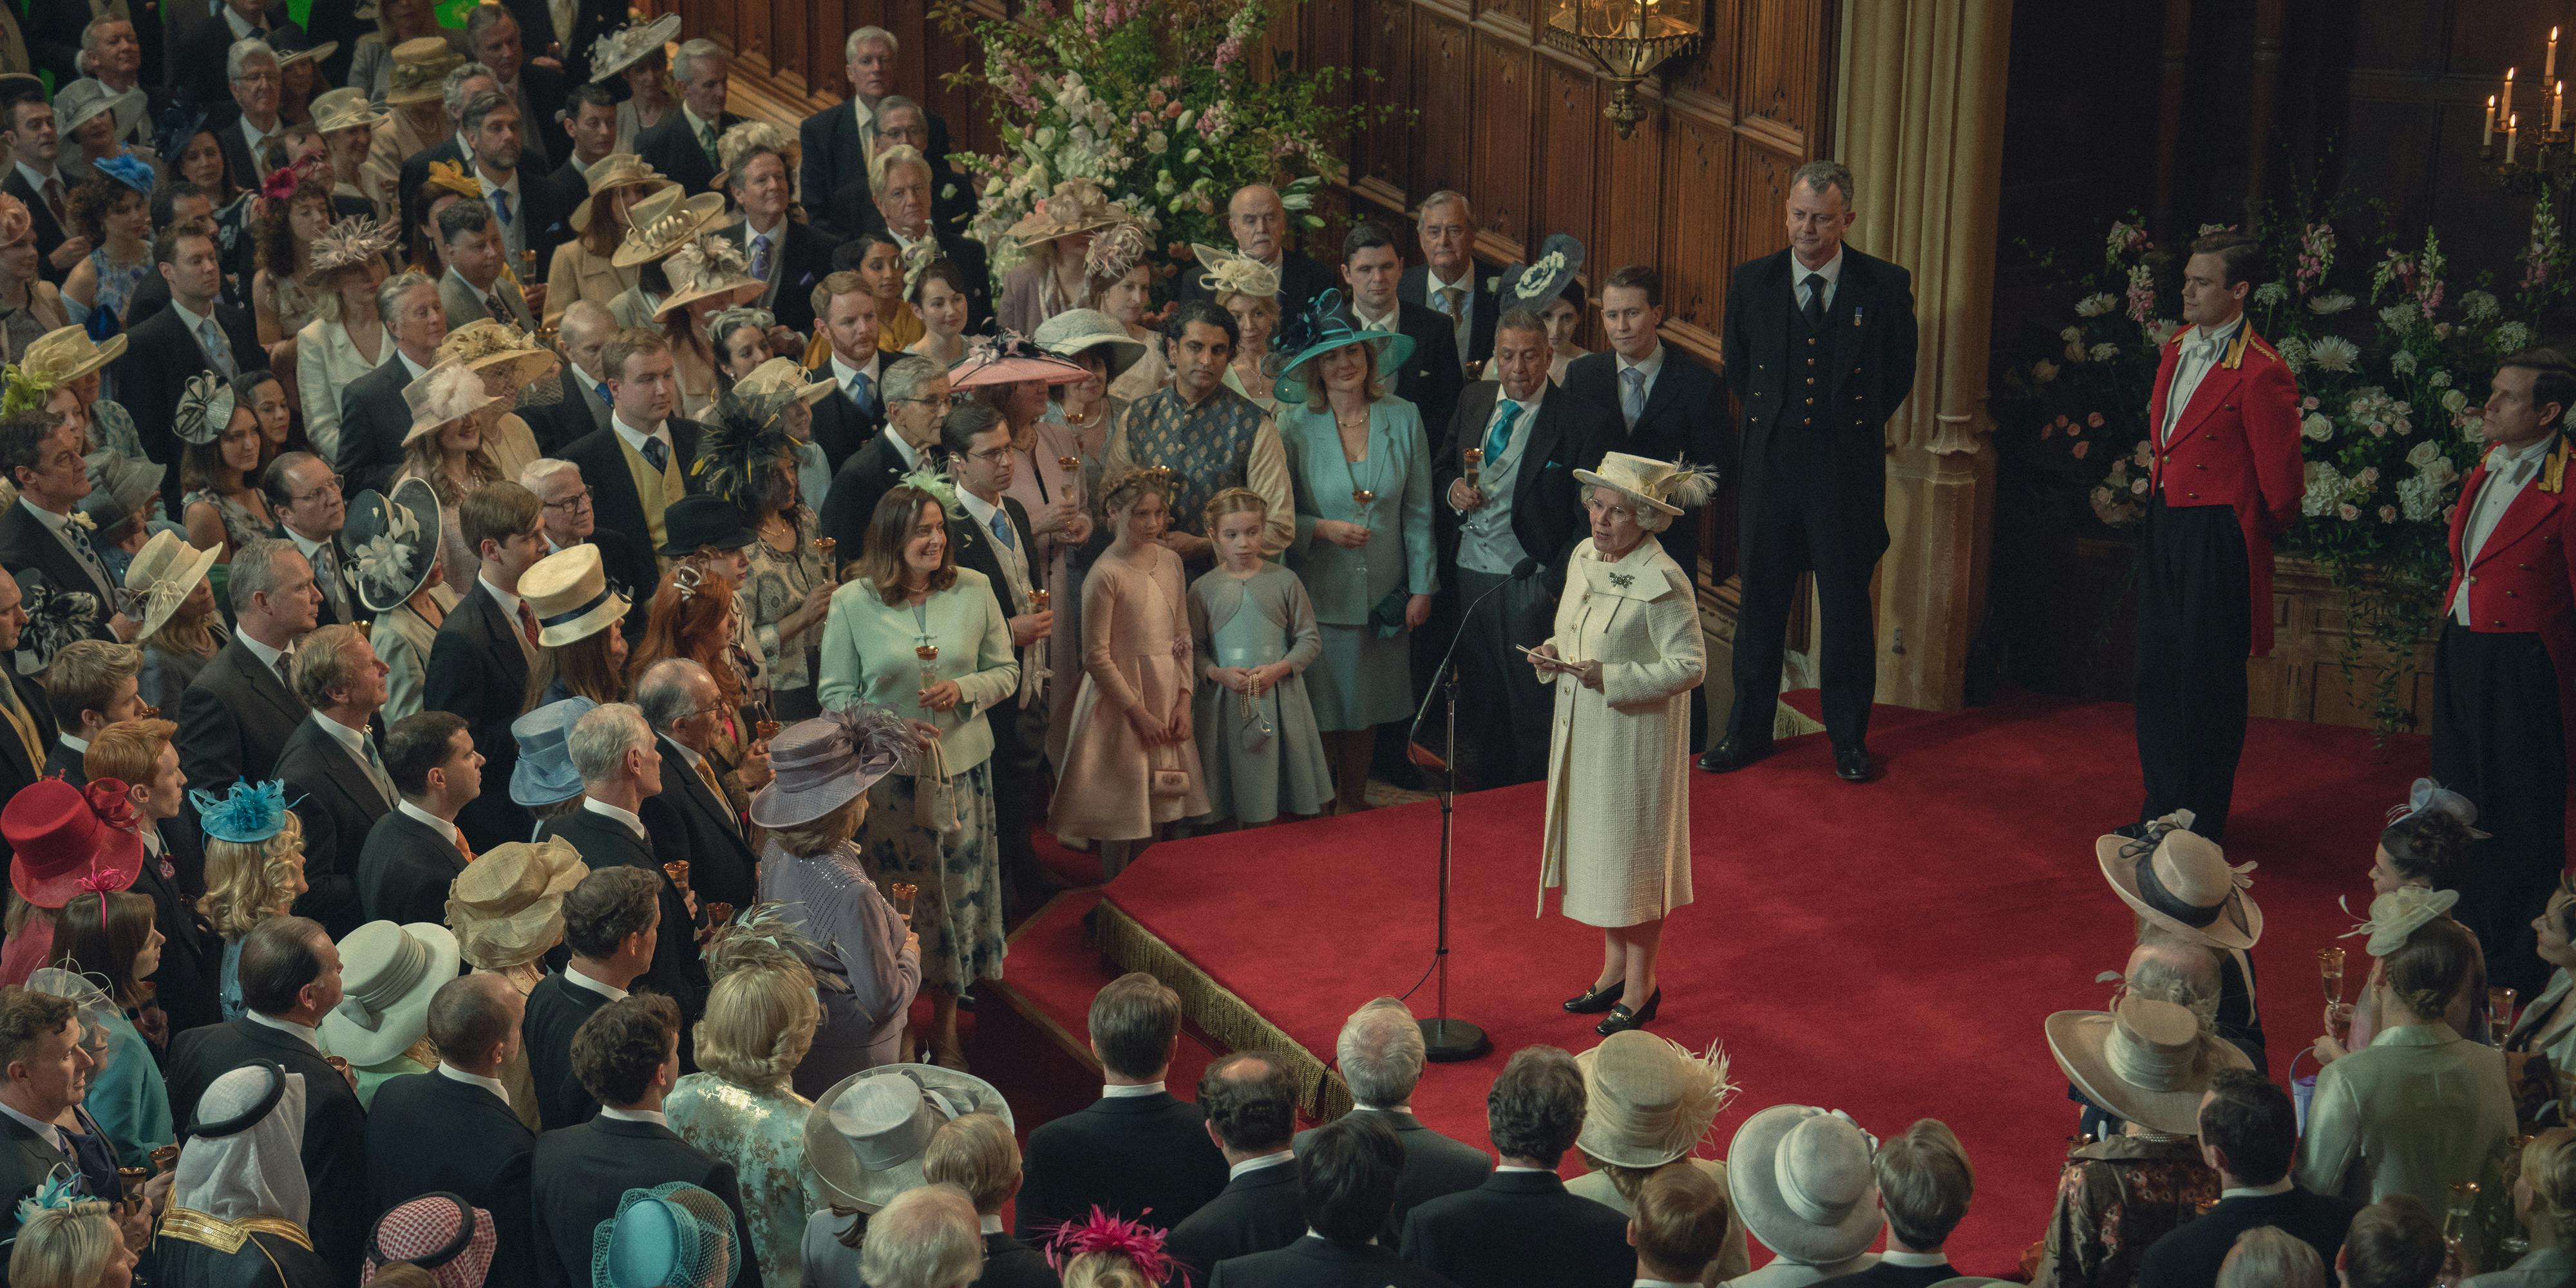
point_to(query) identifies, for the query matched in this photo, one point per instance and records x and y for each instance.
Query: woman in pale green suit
(931, 822)
(1363, 545)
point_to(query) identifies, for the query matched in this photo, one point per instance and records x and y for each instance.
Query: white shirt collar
(353, 739)
(2514, 458)
(1831, 270)
(310, 1036)
(1652, 364)
(688, 756)
(1383, 1109)
(603, 808)
(36, 178)
(416, 370)
(697, 124)
(80, 745)
(635, 437)
(241, 28)
(1257, 1164)
(775, 232)
(1891, 1257)
(196, 321)
(2221, 334)
(1433, 283)
(426, 819)
(2281, 1186)
(509, 602)
(1387, 321)
(254, 136)
(1529, 405)
(989, 1223)
(53, 522)
(903, 447)
(842, 371)
(982, 509)
(479, 291)
(576, 979)
(45, 1131)
(489, 187)
(1140, 1089)
(653, 1116)
(268, 657)
(304, 545)
(492, 1085)
(1513, 1167)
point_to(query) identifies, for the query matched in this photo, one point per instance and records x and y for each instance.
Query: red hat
(71, 839)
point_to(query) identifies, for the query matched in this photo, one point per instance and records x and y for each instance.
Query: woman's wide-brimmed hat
(345, 109)
(1322, 328)
(65, 354)
(163, 572)
(2146, 1062)
(864, 1138)
(84, 99)
(442, 1233)
(1669, 486)
(2181, 881)
(665, 220)
(784, 378)
(507, 905)
(568, 591)
(708, 267)
(822, 763)
(419, 71)
(544, 774)
(392, 543)
(291, 52)
(71, 840)
(1007, 359)
(1076, 206)
(448, 392)
(612, 172)
(1649, 1101)
(1074, 332)
(1535, 284)
(674, 1235)
(1802, 1181)
(390, 970)
(487, 344)
(1228, 272)
(121, 487)
(350, 243)
(628, 45)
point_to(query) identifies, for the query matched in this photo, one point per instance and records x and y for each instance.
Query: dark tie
(1815, 310)
(492, 302)
(657, 454)
(54, 200)
(527, 627)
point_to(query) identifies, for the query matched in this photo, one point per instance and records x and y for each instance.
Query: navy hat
(544, 774)
(698, 522)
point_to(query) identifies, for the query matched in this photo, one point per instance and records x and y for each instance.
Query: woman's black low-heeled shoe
(1621, 1019)
(1596, 1001)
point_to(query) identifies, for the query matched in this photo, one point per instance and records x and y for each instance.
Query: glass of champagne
(2330, 972)
(928, 655)
(2339, 1021)
(900, 894)
(2500, 1002)
(1474, 459)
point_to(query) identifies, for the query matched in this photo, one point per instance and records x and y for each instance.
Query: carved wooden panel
(1630, 184)
(1516, 16)
(753, 42)
(1503, 155)
(1695, 238)
(1442, 94)
(1382, 162)
(1761, 188)
(1568, 110)
(1779, 58)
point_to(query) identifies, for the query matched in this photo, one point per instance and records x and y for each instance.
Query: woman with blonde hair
(1062, 270)
(254, 868)
(1128, 300)
(707, 276)
(760, 1020)
(2544, 1203)
(345, 339)
(509, 361)
(2268, 1256)
(1106, 1251)
(65, 1241)
(219, 467)
(445, 447)
(181, 628)
(29, 305)
(1249, 291)
(584, 267)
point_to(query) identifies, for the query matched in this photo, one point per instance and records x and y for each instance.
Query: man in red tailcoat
(2501, 670)
(2224, 423)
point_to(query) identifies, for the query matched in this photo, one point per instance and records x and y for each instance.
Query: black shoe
(1596, 1001)
(1731, 754)
(1621, 1019)
(1851, 764)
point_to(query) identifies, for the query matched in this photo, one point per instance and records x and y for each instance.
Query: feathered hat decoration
(451, 176)
(2430, 797)
(940, 488)
(879, 737)
(916, 259)
(128, 169)
(742, 437)
(62, 1190)
(280, 185)
(2398, 914)
(761, 937)
(205, 408)
(705, 262)
(249, 814)
(54, 617)
(22, 390)
(351, 242)
(1114, 250)
(1231, 274)
(1102, 1232)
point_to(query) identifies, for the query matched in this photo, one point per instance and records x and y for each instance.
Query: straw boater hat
(344, 109)
(65, 354)
(1322, 328)
(819, 765)
(1076, 206)
(612, 172)
(674, 1235)
(392, 543)
(1648, 1100)
(1233, 273)
(83, 99)
(450, 391)
(568, 591)
(2181, 881)
(626, 46)
(1070, 333)
(1535, 284)
(544, 772)
(2147, 1062)
(351, 243)
(864, 1138)
(419, 72)
(1008, 359)
(1668, 486)
(665, 220)
(1802, 1182)
(708, 267)
(507, 905)
(487, 343)
(390, 970)
(163, 572)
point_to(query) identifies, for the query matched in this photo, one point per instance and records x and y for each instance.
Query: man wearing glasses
(916, 397)
(306, 497)
(251, 67)
(569, 519)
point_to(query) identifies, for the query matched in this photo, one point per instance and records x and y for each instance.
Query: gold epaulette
(2235, 355)
(227, 1237)
(2553, 472)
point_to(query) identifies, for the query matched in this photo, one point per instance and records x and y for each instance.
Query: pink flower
(2308, 403)
(2080, 450)
(2347, 512)
(2074, 430)
(2388, 514)
(2049, 430)
(1155, 99)
(2094, 420)
(1172, 110)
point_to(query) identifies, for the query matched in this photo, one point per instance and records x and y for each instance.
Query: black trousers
(1802, 519)
(1019, 780)
(1503, 709)
(2497, 740)
(2195, 627)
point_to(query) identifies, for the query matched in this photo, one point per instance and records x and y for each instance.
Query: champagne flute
(900, 894)
(2339, 1022)
(2500, 1003)
(1474, 457)
(2330, 972)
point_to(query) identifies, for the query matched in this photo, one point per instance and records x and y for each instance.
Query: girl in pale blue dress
(1255, 633)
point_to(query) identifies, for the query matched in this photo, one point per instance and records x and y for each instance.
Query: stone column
(1919, 118)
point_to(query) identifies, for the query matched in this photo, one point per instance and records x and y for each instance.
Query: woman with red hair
(693, 617)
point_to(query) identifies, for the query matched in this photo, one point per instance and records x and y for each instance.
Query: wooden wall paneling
(1761, 186)
(1520, 17)
(1696, 246)
(1631, 189)
(1780, 60)
(1563, 174)
(754, 45)
(970, 127)
(1505, 132)
(1382, 160)
(1443, 62)
(1706, 80)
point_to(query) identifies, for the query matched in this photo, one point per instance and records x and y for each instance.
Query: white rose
(2071, 334)
(2331, 303)
(2453, 400)
(2105, 352)
(2317, 428)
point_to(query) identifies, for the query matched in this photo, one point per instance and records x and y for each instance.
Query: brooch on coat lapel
(1622, 580)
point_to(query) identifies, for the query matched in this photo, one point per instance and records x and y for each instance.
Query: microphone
(1414, 750)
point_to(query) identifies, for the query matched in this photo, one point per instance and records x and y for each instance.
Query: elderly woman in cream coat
(1625, 656)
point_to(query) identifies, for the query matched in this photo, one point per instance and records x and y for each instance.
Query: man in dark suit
(849, 419)
(39, 541)
(373, 416)
(1819, 353)
(915, 395)
(683, 146)
(1517, 526)
(585, 330)
(611, 922)
(1251, 1107)
(1924, 1183)
(900, 122)
(305, 495)
(235, 718)
(639, 464)
(1380, 1054)
(44, 1072)
(478, 667)
(617, 776)
(39, 177)
(1428, 377)
(100, 41)
(1259, 221)
(791, 256)
(1445, 282)
(290, 979)
(483, 1151)
(495, 40)
(900, 201)
(1679, 1225)
(627, 1055)
(140, 752)
(680, 700)
(89, 685)
(568, 45)
(837, 143)
(1138, 1146)
(413, 853)
(194, 333)
(1346, 1184)
(2249, 1134)
(571, 519)
(194, 65)
(250, 68)
(590, 131)
(975, 443)
(534, 214)
(1520, 1226)
(334, 773)
(975, 1153)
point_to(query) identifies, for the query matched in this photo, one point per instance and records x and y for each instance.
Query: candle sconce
(1630, 39)
(2540, 157)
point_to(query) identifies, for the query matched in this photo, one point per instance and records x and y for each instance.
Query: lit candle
(2507, 101)
(2549, 68)
(2511, 124)
(2557, 106)
(2488, 140)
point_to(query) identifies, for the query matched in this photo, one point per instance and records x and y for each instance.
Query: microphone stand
(1445, 1038)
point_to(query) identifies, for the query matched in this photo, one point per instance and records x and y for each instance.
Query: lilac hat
(822, 763)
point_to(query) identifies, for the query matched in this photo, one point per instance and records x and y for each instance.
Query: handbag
(1166, 775)
(934, 798)
(1254, 734)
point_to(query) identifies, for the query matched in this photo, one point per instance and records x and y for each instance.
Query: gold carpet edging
(1226, 1018)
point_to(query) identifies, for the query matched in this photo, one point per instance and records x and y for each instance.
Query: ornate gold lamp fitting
(1630, 39)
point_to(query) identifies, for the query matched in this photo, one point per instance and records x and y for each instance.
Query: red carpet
(1889, 950)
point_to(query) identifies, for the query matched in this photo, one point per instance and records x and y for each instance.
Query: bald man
(483, 1149)
(1260, 223)
(585, 327)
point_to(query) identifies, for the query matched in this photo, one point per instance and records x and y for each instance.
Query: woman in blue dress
(1363, 544)
(113, 209)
